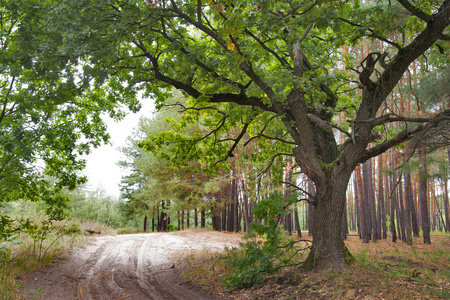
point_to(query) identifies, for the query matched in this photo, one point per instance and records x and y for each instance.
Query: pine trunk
(381, 201)
(408, 202)
(203, 218)
(310, 210)
(297, 222)
(362, 209)
(423, 200)
(446, 205)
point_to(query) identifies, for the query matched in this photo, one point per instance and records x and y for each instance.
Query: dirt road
(133, 266)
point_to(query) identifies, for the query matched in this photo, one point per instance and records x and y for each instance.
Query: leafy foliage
(48, 117)
(277, 72)
(259, 258)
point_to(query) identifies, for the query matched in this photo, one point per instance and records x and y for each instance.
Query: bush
(171, 227)
(257, 258)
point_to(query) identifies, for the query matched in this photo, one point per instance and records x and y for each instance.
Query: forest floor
(384, 270)
(147, 266)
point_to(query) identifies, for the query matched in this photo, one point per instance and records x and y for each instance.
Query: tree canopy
(278, 69)
(48, 118)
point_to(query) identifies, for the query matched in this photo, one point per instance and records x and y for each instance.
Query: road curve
(133, 266)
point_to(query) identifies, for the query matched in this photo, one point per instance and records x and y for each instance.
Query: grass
(29, 255)
(383, 270)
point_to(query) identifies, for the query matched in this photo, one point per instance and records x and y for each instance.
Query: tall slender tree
(423, 199)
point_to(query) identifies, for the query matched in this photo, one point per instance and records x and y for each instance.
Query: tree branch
(415, 11)
(398, 139)
(236, 142)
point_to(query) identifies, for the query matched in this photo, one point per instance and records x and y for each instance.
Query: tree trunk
(246, 206)
(288, 218)
(423, 199)
(402, 209)
(145, 223)
(235, 206)
(392, 198)
(408, 202)
(230, 217)
(195, 217)
(329, 250)
(145, 219)
(224, 217)
(370, 199)
(412, 205)
(296, 221)
(362, 209)
(446, 204)
(381, 201)
(153, 222)
(203, 218)
(310, 209)
(182, 220)
(188, 218)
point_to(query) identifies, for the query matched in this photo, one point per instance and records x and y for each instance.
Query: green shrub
(256, 259)
(171, 227)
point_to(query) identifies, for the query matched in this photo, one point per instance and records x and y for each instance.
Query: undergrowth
(419, 272)
(26, 245)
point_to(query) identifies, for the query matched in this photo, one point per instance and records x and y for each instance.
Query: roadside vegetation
(383, 270)
(31, 239)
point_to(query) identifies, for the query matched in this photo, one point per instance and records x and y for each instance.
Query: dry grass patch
(385, 270)
(32, 254)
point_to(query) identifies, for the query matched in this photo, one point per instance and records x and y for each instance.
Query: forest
(317, 119)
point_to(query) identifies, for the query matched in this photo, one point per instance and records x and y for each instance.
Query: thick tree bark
(328, 249)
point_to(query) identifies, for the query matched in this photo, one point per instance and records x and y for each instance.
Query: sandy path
(135, 266)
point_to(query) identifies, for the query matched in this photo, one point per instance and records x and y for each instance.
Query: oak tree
(276, 68)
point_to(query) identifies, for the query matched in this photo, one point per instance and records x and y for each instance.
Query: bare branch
(398, 139)
(236, 142)
(272, 161)
(303, 191)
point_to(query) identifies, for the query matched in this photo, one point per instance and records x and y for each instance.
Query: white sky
(101, 164)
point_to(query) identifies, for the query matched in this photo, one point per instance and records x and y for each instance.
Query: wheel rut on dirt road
(135, 266)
